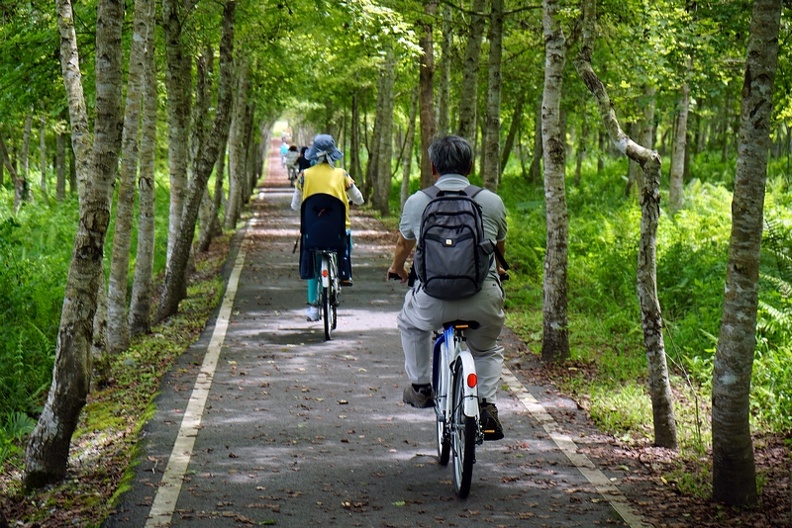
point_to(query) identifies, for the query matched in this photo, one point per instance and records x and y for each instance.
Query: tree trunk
(600, 153)
(250, 151)
(24, 156)
(43, 156)
(98, 352)
(200, 120)
(426, 83)
(725, 116)
(651, 319)
(140, 303)
(236, 152)
(676, 197)
(382, 176)
(733, 468)
(211, 222)
(374, 143)
(514, 127)
(117, 320)
(176, 276)
(535, 171)
(555, 340)
(444, 85)
(21, 188)
(582, 149)
(490, 169)
(18, 181)
(646, 129)
(409, 142)
(468, 89)
(634, 170)
(354, 140)
(60, 166)
(177, 82)
(48, 448)
(74, 184)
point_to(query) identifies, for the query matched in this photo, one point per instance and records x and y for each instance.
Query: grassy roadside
(104, 446)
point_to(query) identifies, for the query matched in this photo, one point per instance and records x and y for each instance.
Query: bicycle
(455, 384)
(458, 425)
(328, 289)
(292, 173)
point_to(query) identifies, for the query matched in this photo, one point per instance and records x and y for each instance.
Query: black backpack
(452, 257)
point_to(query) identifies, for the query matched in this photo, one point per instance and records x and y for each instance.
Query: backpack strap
(431, 191)
(501, 258)
(472, 190)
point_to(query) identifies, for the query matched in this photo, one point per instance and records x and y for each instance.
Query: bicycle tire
(441, 393)
(463, 438)
(327, 312)
(443, 442)
(334, 294)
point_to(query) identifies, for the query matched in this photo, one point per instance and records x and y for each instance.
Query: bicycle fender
(470, 405)
(325, 274)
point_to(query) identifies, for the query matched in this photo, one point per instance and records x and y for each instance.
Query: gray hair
(451, 155)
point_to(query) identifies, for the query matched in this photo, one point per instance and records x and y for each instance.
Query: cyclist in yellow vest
(324, 177)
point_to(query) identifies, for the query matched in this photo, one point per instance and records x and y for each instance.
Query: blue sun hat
(324, 149)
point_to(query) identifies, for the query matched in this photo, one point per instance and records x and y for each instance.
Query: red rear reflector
(324, 273)
(472, 380)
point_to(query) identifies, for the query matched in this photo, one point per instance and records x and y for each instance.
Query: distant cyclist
(284, 149)
(303, 162)
(325, 177)
(452, 161)
(291, 163)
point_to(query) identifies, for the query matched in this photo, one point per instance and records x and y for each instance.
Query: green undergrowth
(105, 443)
(35, 252)
(607, 369)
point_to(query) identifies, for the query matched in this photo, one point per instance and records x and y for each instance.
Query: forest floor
(669, 490)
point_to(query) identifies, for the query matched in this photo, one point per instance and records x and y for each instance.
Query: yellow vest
(323, 178)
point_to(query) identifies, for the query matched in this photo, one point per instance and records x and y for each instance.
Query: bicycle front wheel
(463, 438)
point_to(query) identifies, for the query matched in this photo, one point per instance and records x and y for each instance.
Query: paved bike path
(298, 432)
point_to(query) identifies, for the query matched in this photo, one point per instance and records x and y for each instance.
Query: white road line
(567, 446)
(170, 487)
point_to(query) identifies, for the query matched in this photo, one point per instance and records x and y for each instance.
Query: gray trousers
(422, 314)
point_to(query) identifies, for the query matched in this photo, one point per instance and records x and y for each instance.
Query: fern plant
(775, 315)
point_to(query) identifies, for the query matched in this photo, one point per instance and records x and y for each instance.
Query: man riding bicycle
(422, 314)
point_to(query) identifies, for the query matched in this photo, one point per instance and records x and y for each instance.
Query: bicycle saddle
(460, 323)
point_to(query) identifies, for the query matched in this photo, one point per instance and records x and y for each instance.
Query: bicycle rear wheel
(463, 439)
(441, 393)
(328, 313)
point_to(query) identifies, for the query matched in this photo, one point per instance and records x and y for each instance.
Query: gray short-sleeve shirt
(492, 209)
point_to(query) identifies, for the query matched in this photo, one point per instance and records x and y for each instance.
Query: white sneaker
(312, 312)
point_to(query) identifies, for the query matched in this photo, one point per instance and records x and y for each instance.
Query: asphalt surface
(297, 432)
